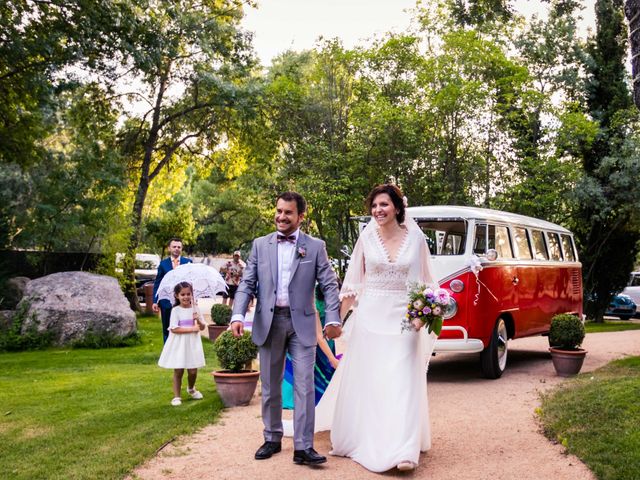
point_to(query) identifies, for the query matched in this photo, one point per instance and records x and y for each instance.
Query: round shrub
(221, 314)
(566, 332)
(234, 353)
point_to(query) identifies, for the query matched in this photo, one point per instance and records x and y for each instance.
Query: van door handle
(515, 280)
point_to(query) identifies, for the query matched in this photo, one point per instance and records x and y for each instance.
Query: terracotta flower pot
(215, 331)
(236, 389)
(567, 362)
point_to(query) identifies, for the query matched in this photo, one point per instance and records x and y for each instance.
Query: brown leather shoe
(268, 449)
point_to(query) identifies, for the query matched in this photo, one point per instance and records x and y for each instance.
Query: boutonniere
(302, 252)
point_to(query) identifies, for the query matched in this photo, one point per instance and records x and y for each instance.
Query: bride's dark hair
(394, 193)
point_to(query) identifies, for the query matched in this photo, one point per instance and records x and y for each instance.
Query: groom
(282, 270)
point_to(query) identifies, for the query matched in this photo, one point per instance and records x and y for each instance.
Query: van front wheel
(493, 359)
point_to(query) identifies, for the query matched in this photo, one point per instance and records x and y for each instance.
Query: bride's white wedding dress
(376, 404)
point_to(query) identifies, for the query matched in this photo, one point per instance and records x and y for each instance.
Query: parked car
(146, 269)
(622, 306)
(633, 288)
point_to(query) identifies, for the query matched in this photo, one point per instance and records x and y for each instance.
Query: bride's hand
(417, 324)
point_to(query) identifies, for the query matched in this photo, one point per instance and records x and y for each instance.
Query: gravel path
(481, 429)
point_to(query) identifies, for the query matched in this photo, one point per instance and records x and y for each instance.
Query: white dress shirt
(286, 254)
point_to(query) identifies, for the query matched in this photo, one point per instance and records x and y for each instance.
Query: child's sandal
(195, 394)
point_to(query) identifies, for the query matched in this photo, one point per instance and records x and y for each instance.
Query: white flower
(405, 202)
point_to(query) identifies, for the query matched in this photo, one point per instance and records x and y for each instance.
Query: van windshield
(445, 236)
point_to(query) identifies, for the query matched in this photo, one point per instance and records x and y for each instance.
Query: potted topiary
(565, 337)
(236, 382)
(221, 316)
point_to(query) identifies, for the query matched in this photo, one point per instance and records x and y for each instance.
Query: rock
(14, 291)
(71, 305)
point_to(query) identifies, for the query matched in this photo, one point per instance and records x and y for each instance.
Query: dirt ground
(481, 429)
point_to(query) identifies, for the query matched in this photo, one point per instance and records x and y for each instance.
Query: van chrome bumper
(464, 344)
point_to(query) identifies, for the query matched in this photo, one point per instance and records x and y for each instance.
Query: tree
(547, 167)
(191, 63)
(310, 96)
(607, 228)
(56, 126)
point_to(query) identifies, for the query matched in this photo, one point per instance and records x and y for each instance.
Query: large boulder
(71, 305)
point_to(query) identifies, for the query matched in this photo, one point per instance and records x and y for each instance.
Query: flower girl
(184, 347)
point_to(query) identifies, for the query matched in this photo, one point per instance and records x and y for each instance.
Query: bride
(376, 404)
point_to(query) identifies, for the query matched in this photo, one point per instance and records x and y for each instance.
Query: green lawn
(75, 414)
(596, 417)
(610, 326)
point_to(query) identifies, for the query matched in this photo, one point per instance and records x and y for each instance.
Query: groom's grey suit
(275, 330)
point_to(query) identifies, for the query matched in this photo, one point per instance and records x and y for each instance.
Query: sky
(281, 25)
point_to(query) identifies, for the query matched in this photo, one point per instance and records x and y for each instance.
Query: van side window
(635, 280)
(445, 236)
(539, 247)
(554, 246)
(499, 239)
(522, 243)
(453, 244)
(480, 240)
(567, 246)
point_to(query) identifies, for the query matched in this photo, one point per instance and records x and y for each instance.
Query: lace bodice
(371, 271)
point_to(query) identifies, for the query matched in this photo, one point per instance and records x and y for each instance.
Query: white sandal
(195, 394)
(406, 466)
(177, 401)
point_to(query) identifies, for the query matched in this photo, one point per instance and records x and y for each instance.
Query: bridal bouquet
(426, 307)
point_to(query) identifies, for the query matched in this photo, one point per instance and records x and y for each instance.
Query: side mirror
(492, 254)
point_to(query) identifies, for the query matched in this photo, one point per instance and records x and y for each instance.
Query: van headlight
(456, 285)
(451, 309)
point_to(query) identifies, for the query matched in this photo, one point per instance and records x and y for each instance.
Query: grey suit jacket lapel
(302, 243)
(273, 257)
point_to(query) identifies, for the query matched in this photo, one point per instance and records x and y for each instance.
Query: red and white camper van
(508, 274)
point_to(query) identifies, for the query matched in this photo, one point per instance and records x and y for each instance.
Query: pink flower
(437, 311)
(426, 310)
(302, 252)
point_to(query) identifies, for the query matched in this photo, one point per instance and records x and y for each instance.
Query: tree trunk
(632, 12)
(128, 267)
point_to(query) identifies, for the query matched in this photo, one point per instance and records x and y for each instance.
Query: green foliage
(221, 314)
(606, 199)
(480, 12)
(108, 340)
(56, 402)
(234, 353)
(595, 418)
(175, 219)
(15, 340)
(233, 205)
(566, 332)
(610, 326)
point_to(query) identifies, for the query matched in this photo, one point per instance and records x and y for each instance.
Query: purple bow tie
(287, 238)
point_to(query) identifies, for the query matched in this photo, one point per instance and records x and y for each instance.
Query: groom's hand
(237, 328)
(332, 331)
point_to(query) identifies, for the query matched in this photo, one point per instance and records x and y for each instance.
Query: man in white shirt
(282, 272)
